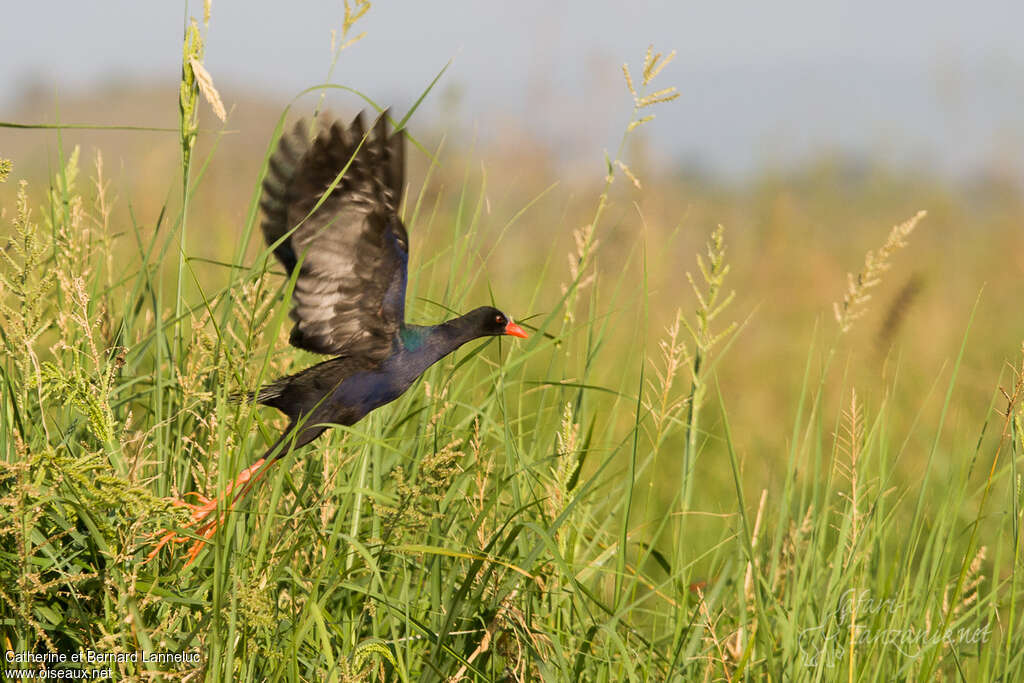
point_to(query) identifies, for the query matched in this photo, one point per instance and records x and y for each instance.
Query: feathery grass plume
(718, 654)
(565, 464)
(710, 304)
(969, 592)
(713, 271)
(399, 517)
(857, 295)
(629, 174)
(256, 603)
(484, 467)
(62, 499)
(358, 667)
(643, 98)
(103, 205)
(851, 441)
(25, 283)
(195, 81)
(83, 367)
(352, 16)
(665, 406)
(188, 96)
(86, 476)
(416, 497)
(204, 81)
(64, 220)
(251, 315)
(38, 519)
(73, 250)
(85, 371)
(188, 124)
(20, 514)
(5, 169)
(77, 389)
(204, 368)
(339, 45)
(586, 243)
(653, 64)
(580, 258)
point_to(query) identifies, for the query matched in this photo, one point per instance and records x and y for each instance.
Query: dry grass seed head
(25, 283)
(659, 400)
(850, 440)
(629, 173)
(713, 271)
(579, 260)
(440, 400)
(716, 645)
(255, 604)
(567, 441)
(653, 64)
(81, 374)
(252, 305)
(352, 15)
(416, 499)
(481, 481)
(205, 83)
(969, 590)
(854, 303)
(73, 247)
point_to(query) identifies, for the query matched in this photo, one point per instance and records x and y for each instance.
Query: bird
(330, 201)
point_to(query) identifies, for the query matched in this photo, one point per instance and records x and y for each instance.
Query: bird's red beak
(515, 331)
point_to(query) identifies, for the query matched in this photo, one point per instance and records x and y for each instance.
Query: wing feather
(344, 234)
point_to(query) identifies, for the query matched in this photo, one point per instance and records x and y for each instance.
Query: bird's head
(489, 321)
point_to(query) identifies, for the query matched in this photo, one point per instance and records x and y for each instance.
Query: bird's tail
(241, 397)
(265, 393)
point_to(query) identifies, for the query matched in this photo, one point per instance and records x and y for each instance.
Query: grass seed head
(854, 303)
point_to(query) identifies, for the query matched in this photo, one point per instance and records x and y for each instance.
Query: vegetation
(668, 481)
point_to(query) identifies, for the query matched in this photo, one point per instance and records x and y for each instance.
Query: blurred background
(933, 85)
(807, 129)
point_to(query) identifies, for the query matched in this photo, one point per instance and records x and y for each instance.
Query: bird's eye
(500, 319)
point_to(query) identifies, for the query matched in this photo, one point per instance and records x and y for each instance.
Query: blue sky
(925, 83)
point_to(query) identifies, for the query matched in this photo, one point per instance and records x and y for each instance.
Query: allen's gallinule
(344, 236)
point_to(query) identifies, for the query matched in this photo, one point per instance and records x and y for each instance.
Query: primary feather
(330, 202)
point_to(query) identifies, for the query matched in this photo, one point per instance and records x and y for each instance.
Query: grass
(588, 505)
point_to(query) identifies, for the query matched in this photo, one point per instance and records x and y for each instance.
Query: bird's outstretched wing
(350, 246)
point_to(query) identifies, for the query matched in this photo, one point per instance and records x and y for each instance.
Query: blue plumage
(352, 252)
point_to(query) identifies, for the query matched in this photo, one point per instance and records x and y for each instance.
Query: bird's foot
(201, 510)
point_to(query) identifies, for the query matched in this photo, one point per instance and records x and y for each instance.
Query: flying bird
(330, 205)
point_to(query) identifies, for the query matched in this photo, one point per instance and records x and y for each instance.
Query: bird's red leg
(246, 479)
